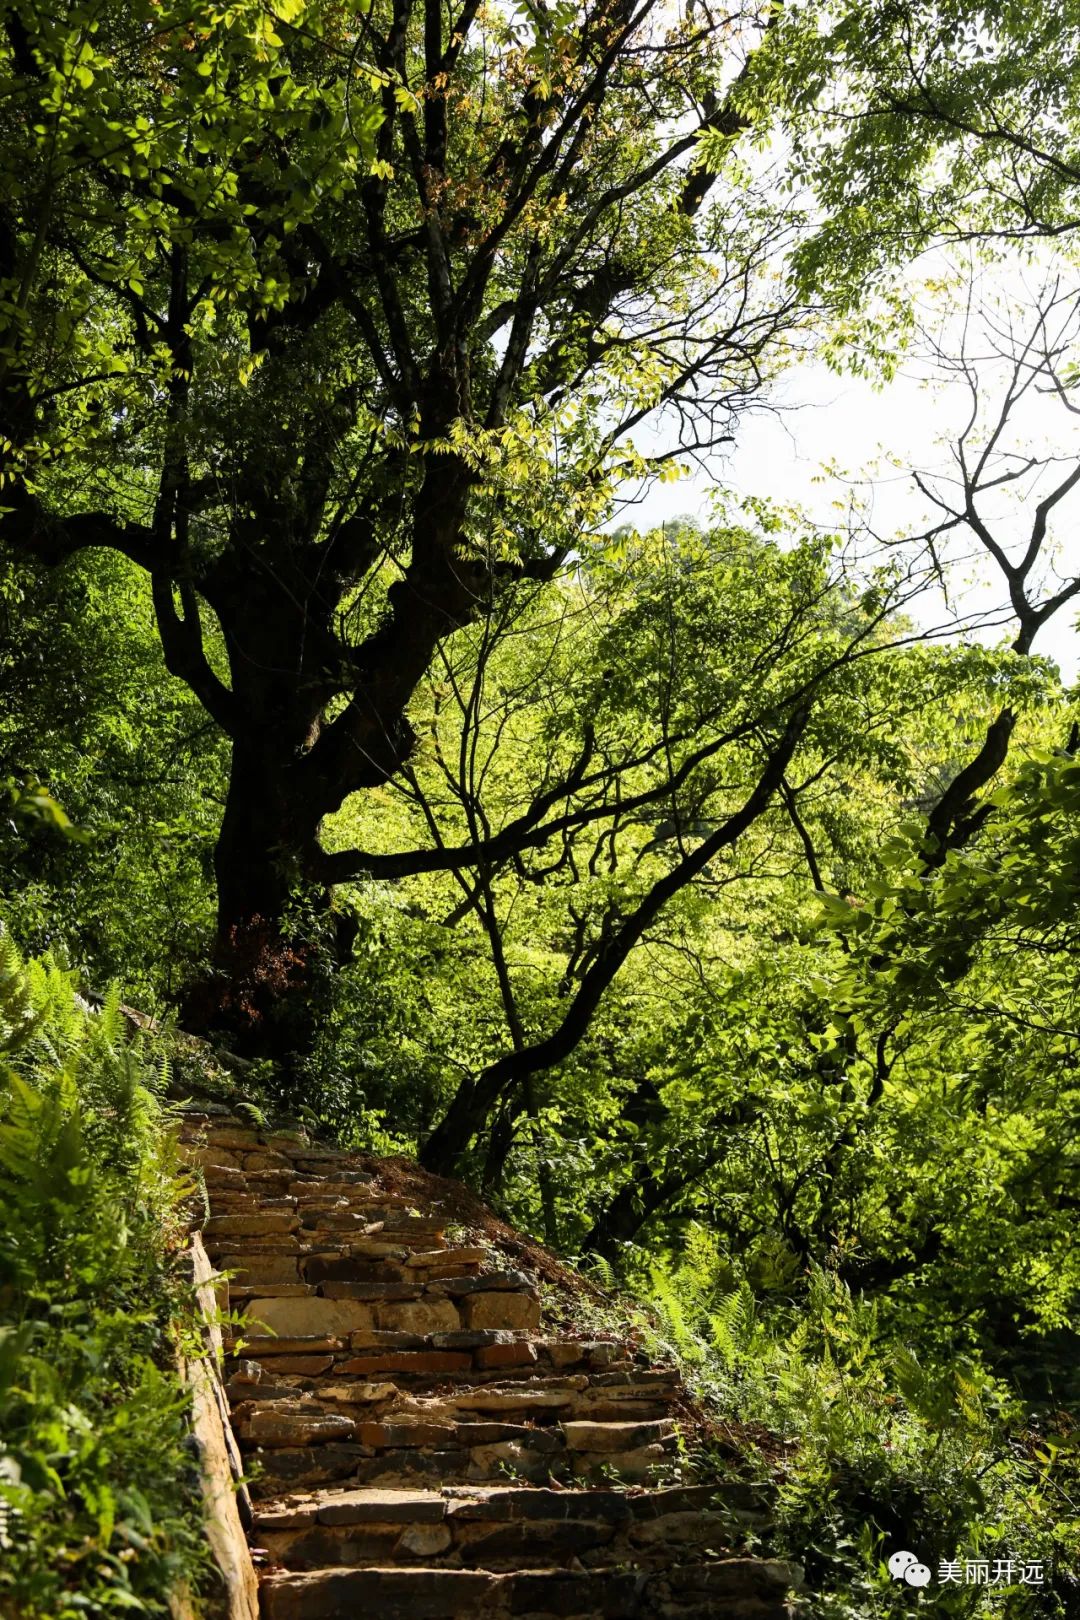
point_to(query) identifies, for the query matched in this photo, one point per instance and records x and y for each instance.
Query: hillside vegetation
(701, 892)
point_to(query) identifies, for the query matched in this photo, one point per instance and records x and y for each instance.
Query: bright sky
(821, 419)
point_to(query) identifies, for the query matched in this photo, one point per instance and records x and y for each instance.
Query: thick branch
(185, 655)
(528, 831)
(951, 821)
(646, 1193)
(52, 539)
(474, 1100)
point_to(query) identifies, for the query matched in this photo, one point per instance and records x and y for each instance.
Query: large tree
(335, 321)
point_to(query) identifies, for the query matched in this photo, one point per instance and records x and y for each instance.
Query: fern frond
(604, 1269)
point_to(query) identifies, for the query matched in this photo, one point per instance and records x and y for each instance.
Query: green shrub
(872, 1449)
(99, 1497)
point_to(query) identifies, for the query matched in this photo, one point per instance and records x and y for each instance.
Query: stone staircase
(420, 1446)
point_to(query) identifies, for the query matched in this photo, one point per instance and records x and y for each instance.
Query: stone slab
(388, 1436)
(419, 1316)
(501, 1310)
(247, 1290)
(256, 1268)
(389, 1594)
(277, 1426)
(337, 1267)
(615, 1436)
(505, 1355)
(487, 1282)
(369, 1290)
(264, 1224)
(375, 1506)
(257, 1346)
(356, 1394)
(448, 1256)
(292, 1318)
(416, 1362)
(303, 1366)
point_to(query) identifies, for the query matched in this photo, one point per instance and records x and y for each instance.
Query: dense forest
(704, 892)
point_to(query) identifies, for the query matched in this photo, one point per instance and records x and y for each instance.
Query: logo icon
(904, 1566)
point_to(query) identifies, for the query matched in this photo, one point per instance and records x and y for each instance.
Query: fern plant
(99, 1507)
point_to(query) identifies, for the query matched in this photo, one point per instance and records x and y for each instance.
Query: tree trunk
(261, 987)
(630, 1209)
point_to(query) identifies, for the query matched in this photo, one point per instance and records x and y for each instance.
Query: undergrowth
(99, 1495)
(871, 1450)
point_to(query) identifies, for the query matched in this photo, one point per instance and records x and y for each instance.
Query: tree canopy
(702, 888)
(334, 322)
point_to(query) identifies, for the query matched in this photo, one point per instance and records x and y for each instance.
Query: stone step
(518, 1282)
(426, 1425)
(536, 1456)
(736, 1587)
(366, 1309)
(264, 1224)
(375, 1212)
(284, 1257)
(392, 1380)
(359, 1260)
(234, 1136)
(404, 1423)
(368, 1221)
(379, 1325)
(331, 1265)
(510, 1356)
(234, 1200)
(283, 1470)
(385, 1450)
(258, 1346)
(242, 1290)
(289, 1423)
(475, 1504)
(535, 1543)
(496, 1527)
(348, 1237)
(459, 1376)
(354, 1184)
(558, 1397)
